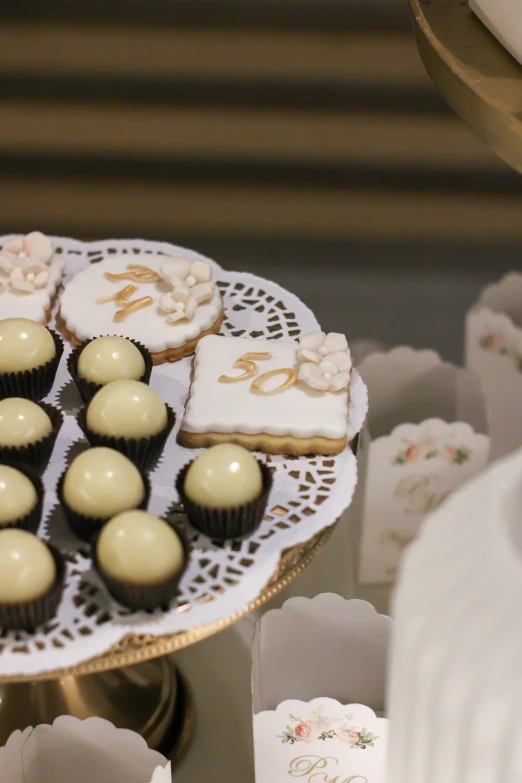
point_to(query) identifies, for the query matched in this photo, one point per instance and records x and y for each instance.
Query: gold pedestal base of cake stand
(475, 74)
(151, 698)
(135, 685)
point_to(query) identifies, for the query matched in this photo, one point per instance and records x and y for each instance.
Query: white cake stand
(95, 657)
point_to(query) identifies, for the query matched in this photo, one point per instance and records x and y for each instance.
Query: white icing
(232, 407)
(30, 276)
(85, 318)
(34, 306)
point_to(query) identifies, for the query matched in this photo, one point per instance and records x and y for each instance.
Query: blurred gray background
(299, 139)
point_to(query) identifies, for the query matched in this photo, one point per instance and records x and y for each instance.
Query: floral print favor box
(427, 435)
(318, 741)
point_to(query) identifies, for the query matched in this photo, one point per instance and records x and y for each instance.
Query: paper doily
(309, 494)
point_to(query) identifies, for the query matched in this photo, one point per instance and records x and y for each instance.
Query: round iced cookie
(27, 567)
(17, 495)
(108, 359)
(127, 409)
(102, 482)
(140, 548)
(224, 476)
(24, 345)
(22, 422)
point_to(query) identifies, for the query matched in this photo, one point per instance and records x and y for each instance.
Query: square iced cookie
(277, 397)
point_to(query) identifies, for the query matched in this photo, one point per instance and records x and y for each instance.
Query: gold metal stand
(475, 74)
(136, 684)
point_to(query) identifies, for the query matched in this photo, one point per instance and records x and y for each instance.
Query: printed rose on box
(322, 727)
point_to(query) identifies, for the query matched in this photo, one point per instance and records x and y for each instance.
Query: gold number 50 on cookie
(247, 363)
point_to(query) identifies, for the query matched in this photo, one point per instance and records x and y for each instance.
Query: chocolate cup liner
(28, 616)
(143, 597)
(31, 520)
(225, 523)
(35, 455)
(88, 389)
(144, 452)
(32, 384)
(86, 527)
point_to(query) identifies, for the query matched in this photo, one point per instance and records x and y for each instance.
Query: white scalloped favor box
(426, 436)
(88, 751)
(493, 351)
(318, 688)
(321, 740)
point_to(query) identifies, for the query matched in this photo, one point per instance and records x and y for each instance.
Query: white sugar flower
(182, 272)
(331, 374)
(325, 361)
(181, 303)
(34, 247)
(315, 346)
(28, 276)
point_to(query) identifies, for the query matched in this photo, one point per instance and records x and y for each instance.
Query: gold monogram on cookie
(122, 297)
(137, 273)
(247, 362)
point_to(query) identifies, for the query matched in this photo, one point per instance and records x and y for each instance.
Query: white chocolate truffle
(224, 476)
(17, 495)
(127, 409)
(108, 359)
(24, 345)
(27, 567)
(22, 422)
(102, 482)
(140, 548)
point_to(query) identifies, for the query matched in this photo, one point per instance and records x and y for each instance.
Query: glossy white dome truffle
(102, 482)
(24, 345)
(108, 359)
(140, 548)
(127, 409)
(224, 476)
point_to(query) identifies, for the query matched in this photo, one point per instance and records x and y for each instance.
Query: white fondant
(299, 411)
(18, 304)
(85, 318)
(29, 276)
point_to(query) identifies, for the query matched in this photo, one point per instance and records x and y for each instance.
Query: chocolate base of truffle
(35, 455)
(31, 520)
(225, 523)
(87, 388)
(144, 452)
(29, 615)
(139, 596)
(86, 527)
(33, 384)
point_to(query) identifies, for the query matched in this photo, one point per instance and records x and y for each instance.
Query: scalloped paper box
(325, 646)
(427, 435)
(88, 751)
(310, 658)
(493, 351)
(318, 741)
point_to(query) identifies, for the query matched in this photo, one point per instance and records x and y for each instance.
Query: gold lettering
(309, 767)
(132, 307)
(247, 362)
(120, 296)
(129, 306)
(306, 765)
(291, 378)
(137, 273)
